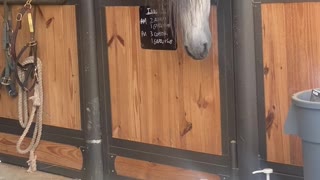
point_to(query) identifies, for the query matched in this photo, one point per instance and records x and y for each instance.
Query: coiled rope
(36, 113)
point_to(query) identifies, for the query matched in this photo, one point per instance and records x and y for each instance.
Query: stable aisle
(10, 172)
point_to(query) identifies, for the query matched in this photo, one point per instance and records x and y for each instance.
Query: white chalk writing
(162, 41)
(144, 34)
(151, 12)
(143, 21)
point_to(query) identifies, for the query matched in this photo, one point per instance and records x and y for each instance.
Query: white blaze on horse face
(194, 21)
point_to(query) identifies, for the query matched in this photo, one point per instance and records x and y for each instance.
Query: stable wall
(162, 98)
(58, 50)
(291, 61)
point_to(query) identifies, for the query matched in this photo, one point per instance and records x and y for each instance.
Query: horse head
(193, 20)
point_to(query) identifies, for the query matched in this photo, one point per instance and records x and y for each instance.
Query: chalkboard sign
(153, 34)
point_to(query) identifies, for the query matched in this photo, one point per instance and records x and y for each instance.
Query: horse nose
(198, 53)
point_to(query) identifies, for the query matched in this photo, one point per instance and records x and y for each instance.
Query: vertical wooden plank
(275, 77)
(162, 97)
(57, 48)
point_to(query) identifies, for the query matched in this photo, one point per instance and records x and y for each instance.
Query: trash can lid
(302, 99)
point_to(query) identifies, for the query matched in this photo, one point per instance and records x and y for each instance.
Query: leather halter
(7, 73)
(31, 68)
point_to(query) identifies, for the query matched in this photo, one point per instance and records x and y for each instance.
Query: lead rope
(36, 112)
(31, 64)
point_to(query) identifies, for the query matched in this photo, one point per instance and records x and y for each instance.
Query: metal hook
(28, 3)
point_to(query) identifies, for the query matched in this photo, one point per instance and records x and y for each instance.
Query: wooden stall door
(162, 97)
(56, 35)
(291, 55)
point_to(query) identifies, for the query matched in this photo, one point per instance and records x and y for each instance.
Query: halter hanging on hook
(27, 74)
(30, 69)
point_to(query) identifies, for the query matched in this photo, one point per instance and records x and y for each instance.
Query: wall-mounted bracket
(83, 150)
(111, 161)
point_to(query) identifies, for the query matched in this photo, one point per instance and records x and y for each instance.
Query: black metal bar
(246, 97)
(278, 176)
(284, 1)
(111, 163)
(90, 91)
(37, 2)
(226, 74)
(234, 159)
(218, 169)
(234, 163)
(177, 153)
(260, 81)
(284, 168)
(50, 133)
(57, 138)
(64, 171)
(104, 92)
(170, 152)
(48, 128)
(134, 2)
(227, 23)
(124, 2)
(118, 177)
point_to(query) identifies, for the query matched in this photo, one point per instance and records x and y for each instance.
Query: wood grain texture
(150, 171)
(47, 152)
(291, 54)
(57, 48)
(162, 97)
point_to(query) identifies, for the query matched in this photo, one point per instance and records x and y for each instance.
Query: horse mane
(171, 10)
(160, 5)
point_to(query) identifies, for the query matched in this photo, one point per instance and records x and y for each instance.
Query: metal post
(90, 90)
(246, 95)
(234, 160)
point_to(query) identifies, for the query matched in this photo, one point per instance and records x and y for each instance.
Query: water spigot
(266, 171)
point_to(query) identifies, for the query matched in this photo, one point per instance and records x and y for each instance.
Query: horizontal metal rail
(135, 2)
(37, 2)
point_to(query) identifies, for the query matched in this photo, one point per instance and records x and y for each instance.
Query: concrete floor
(10, 172)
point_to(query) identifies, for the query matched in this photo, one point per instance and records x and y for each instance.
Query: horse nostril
(188, 52)
(200, 53)
(205, 49)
